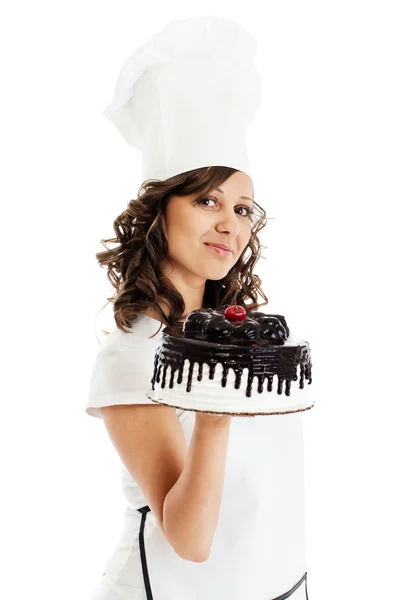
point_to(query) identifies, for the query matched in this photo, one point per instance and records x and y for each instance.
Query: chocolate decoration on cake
(254, 340)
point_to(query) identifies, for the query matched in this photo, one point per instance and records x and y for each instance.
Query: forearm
(192, 506)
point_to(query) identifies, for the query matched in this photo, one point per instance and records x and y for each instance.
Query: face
(220, 217)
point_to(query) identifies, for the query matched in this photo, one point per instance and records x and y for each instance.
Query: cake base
(225, 412)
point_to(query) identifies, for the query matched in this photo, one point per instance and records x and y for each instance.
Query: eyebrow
(242, 197)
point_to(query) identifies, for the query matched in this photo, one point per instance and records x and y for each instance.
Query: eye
(246, 216)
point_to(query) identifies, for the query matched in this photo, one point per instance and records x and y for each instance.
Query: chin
(215, 275)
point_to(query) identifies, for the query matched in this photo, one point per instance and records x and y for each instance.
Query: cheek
(245, 239)
(184, 239)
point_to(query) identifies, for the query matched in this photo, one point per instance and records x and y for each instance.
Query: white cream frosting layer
(209, 395)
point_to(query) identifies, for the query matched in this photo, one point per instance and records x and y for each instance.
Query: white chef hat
(186, 98)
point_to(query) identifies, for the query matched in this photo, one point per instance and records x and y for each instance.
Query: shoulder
(144, 330)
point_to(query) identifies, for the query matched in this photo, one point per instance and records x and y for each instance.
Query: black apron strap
(146, 579)
(145, 572)
(294, 588)
(163, 314)
(168, 320)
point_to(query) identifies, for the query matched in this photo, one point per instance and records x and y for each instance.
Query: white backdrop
(325, 155)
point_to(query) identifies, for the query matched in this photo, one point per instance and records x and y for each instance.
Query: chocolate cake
(225, 360)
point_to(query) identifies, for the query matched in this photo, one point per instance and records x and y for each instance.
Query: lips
(221, 246)
(220, 249)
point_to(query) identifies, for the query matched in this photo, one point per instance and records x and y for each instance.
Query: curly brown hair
(141, 238)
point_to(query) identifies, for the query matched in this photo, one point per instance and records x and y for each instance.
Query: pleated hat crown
(187, 97)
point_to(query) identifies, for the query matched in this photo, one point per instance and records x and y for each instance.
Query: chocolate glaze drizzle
(260, 342)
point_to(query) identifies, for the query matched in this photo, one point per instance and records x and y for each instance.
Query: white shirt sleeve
(122, 373)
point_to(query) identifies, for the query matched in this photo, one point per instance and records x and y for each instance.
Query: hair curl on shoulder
(141, 237)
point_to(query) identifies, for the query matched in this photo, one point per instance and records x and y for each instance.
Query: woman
(215, 505)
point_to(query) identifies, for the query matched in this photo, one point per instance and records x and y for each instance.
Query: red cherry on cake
(235, 313)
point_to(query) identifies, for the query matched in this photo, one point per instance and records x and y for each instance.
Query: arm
(191, 507)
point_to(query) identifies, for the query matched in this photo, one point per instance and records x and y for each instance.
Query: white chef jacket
(258, 550)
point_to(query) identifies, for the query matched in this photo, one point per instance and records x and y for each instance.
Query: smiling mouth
(220, 251)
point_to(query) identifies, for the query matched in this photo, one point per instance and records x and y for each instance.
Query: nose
(228, 222)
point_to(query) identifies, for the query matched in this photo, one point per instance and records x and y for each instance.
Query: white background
(325, 154)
